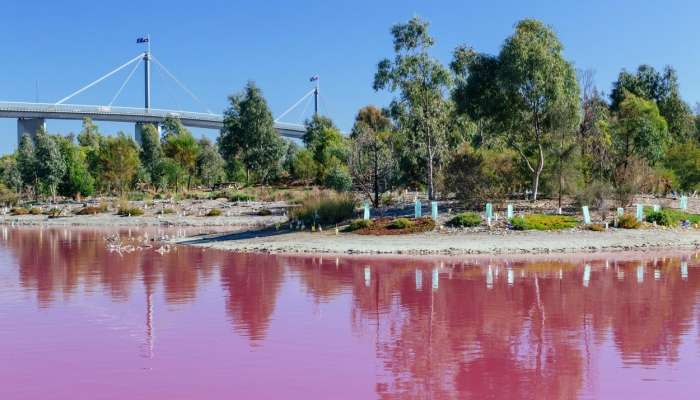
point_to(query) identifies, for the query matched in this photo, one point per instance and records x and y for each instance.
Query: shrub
(659, 217)
(91, 210)
(166, 211)
(264, 212)
(214, 212)
(628, 221)
(542, 222)
(130, 211)
(401, 223)
(596, 227)
(19, 211)
(53, 213)
(8, 197)
(35, 211)
(233, 196)
(359, 224)
(338, 178)
(325, 210)
(467, 219)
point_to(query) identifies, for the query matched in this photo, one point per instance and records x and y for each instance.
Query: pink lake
(80, 322)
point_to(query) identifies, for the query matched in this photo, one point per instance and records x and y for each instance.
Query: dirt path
(451, 243)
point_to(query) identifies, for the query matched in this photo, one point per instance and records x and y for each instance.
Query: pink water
(80, 322)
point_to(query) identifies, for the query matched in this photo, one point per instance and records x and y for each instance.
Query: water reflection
(447, 328)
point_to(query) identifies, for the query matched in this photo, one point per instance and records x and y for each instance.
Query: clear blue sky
(214, 47)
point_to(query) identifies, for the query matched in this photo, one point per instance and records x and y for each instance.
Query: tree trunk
(537, 173)
(376, 179)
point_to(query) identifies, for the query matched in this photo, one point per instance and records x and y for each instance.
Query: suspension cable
(182, 86)
(99, 80)
(294, 106)
(306, 105)
(125, 82)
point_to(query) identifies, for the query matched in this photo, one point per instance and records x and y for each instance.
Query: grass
(628, 221)
(596, 227)
(233, 196)
(466, 219)
(130, 211)
(325, 210)
(35, 211)
(19, 211)
(671, 217)
(387, 226)
(214, 212)
(359, 224)
(543, 222)
(166, 211)
(92, 210)
(54, 213)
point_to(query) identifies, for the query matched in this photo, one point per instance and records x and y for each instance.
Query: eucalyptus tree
(210, 164)
(181, 147)
(50, 165)
(525, 94)
(26, 162)
(249, 135)
(119, 162)
(421, 83)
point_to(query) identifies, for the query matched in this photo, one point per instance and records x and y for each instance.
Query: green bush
(466, 219)
(19, 211)
(53, 213)
(233, 196)
(401, 223)
(677, 216)
(8, 197)
(214, 212)
(130, 211)
(338, 178)
(359, 224)
(35, 211)
(542, 222)
(166, 211)
(628, 221)
(660, 218)
(325, 210)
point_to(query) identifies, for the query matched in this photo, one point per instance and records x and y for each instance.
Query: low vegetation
(671, 218)
(401, 223)
(19, 211)
(92, 210)
(35, 211)
(359, 224)
(388, 226)
(466, 219)
(126, 211)
(214, 212)
(628, 221)
(325, 210)
(543, 222)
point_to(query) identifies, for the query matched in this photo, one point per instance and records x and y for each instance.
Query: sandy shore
(452, 243)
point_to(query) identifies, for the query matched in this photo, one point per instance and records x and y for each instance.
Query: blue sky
(214, 47)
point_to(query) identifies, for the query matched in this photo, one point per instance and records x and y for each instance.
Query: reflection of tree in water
(252, 283)
(533, 338)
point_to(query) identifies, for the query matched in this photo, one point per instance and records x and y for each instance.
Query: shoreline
(450, 243)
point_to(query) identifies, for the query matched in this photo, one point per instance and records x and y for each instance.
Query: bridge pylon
(29, 126)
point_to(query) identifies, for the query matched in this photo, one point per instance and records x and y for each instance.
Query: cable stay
(136, 66)
(295, 105)
(114, 71)
(306, 106)
(182, 86)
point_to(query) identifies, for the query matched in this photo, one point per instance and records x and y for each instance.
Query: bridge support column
(29, 126)
(138, 131)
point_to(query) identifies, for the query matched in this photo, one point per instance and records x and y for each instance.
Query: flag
(313, 78)
(142, 39)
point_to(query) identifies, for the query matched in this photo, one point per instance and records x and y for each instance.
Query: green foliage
(210, 164)
(466, 219)
(234, 196)
(181, 147)
(658, 217)
(54, 212)
(19, 211)
(303, 166)
(214, 212)
(542, 222)
(628, 221)
(325, 210)
(249, 135)
(151, 152)
(639, 131)
(337, 178)
(92, 210)
(684, 160)
(126, 211)
(77, 180)
(50, 165)
(119, 162)
(26, 161)
(35, 211)
(8, 197)
(10, 173)
(401, 223)
(421, 83)
(358, 224)
(671, 217)
(527, 93)
(89, 136)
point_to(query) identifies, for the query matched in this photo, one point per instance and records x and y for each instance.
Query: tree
(11, 175)
(77, 179)
(303, 167)
(181, 147)
(89, 136)
(151, 151)
(249, 134)
(26, 162)
(210, 164)
(119, 161)
(524, 94)
(661, 88)
(372, 162)
(50, 165)
(421, 82)
(327, 146)
(594, 133)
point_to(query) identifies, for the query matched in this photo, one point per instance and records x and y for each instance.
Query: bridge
(32, 116)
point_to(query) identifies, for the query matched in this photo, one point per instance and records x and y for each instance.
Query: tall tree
(77, 179)
(26, 161)
(89, 136)
(151, 152)
(327, 146)
(663, 89)
(182, 148)
(119, 162)
(421, 82)
(249, 135)
(210, 164)
(372, 162)
(51, 167)
(525, 94)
